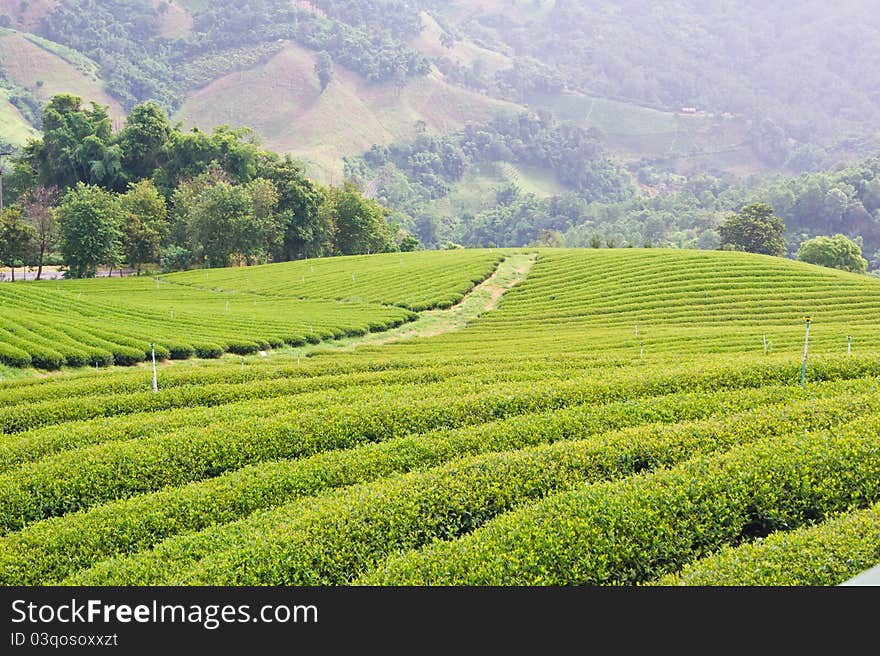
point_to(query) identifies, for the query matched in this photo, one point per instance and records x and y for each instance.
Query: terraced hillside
(103, 322)
(544, 443)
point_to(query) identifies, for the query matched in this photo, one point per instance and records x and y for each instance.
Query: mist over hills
(676, 101)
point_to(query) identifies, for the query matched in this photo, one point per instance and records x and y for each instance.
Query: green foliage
(143, 140)
(228, 224)
(630, 531)
(144, 223)
(77, 146)
(89, 219)
(837, 252)
(360, 223)
(754, 230)
(324, 69)
(52, 550)
(369, 522)
(842, 547)
(176, 258)
(229, 201)
(118, 319)
(18, 240)
(443, 278)
(613, 420)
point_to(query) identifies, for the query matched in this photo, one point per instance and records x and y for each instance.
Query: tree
(305, 231)
(38, 207)
(409, 244)
(89, 219)
(549, 238)
(756, 229)
(17, 239)
(324, 69)
(144, 223)
(230, 223)
(143, 140)
(266, 231)
(77, 146)
(837, 252)
(361, 223)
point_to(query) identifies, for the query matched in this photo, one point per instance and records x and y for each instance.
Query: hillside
(473, 57)
(615, 420)
(282, 100)
(45, 69)
(689, 111)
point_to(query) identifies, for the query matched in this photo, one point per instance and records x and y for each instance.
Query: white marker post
(155, 379)
(849, 345)
(806, 352)
(765, 344)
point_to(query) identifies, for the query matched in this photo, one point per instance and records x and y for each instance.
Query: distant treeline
(410, 175)
(153, 193)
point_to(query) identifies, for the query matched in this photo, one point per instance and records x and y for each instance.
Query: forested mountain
(627, 104)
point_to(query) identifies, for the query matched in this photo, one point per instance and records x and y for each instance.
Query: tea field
(623, 417)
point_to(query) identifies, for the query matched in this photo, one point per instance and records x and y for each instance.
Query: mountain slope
(282, 100)
(45, 69)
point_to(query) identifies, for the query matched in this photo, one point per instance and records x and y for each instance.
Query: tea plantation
(628, 416)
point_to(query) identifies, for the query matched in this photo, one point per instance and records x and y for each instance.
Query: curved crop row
(826, 554)
(51, 549)
(332, 539)
(634, 530)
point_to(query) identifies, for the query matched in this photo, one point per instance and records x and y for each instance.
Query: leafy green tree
(756, 229)
(229, 224)
(266, 228)
(361, 223)
(550, 239)
(77, 146)
(89, 219)
(189, 154)
(184, 199)
(324, 69)
(837, 252)
(305, 231)
(176, 258)
(144, 223)
(217, 222)
(409, 244)
(18, 240)
(38, 207)
(143, 140)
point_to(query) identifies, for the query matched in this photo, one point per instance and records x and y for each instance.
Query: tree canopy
(756, 229)
(837, 252)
